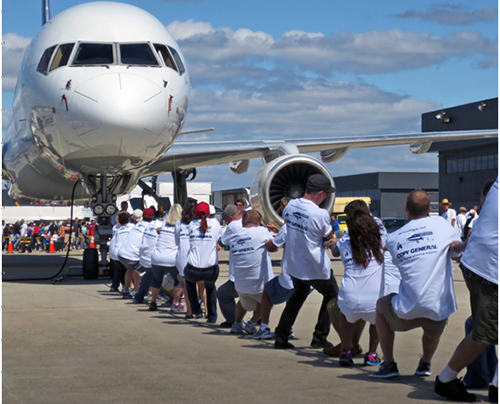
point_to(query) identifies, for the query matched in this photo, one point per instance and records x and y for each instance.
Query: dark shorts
(277, 293)
(484, 307)
(432, 329)
(129, 264)
(160, 271)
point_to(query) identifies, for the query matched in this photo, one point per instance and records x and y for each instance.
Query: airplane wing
(184, 154)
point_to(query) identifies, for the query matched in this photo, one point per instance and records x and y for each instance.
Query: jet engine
(286, 176)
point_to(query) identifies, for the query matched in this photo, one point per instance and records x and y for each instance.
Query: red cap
(149, 212)
(202, 209)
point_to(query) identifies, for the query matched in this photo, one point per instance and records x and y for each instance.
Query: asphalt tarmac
(75, 342)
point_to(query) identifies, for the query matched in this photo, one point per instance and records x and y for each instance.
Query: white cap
(137, 215)
(212, 209)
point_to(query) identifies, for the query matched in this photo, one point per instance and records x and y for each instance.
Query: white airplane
(101, 100)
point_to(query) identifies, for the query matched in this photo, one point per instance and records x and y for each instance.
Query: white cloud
(372, 52)
(452, 15)
(12, 56)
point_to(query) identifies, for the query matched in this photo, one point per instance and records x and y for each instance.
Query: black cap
(318, 182)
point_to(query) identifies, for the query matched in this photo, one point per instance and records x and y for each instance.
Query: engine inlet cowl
(285, 176)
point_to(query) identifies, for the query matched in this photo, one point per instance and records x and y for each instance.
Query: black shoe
(454, 390)
(153, 306)
(114, 290)
(316, 343)
(493, 394)
(283, 345)
(226, 324)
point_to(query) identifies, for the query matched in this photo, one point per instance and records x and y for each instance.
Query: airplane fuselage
(103, 90)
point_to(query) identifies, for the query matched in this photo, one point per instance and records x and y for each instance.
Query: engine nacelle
(285, 176)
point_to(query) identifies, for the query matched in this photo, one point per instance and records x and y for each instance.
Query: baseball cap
(149, 212)
(202, 209)
(230, 210)
(137, 215)
(318, 182)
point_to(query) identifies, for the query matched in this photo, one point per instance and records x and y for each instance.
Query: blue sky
(268, 69)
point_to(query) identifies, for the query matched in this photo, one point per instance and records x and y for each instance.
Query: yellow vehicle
(339, 206)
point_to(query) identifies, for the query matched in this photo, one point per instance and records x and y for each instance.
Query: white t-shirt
(420, 250)
(481, 254)
(460, 223)
(449, 215)
(24, 229)
(203, 246)
(360, 288)
(166, 249)
(231, 229)
(148, 243)
(283, 278)
(182, 242)
(391, 278)
(250, 258)
(304, 256)
(130, 246)
(118, 238)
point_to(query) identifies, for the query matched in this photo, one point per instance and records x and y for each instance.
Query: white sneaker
(263, 334)
(236, 328)
(249, 327)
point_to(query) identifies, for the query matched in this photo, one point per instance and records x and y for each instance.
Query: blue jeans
(145, 284)
(209, 276)
(226, 294)
(15, 242)
(481, 370)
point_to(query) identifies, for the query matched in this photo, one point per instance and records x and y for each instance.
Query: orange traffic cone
(52, 248)
(92, 244)
(10, 248)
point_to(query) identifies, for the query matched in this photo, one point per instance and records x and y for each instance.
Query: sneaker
(114, 290)
(126, 295)
(316, 343)
(249, 327)
(372, 360)
(263, 334)
(153, 306)
(177, 307)
(423, 369)
(135, 301)
(202, 306)
(132, 292)
(199, 315)
(493, 394)
(454, 390)
(387, 370)
(236, 328)
(345, 359)
(283, 345)
(167, 304)
(291, 335)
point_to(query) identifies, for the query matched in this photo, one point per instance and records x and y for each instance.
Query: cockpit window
(137, 54)
(93, 54)
(43, 65)
(62, 56)
(165, 56)
(178, 60)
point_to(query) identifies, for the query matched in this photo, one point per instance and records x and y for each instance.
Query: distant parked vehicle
(393, 223)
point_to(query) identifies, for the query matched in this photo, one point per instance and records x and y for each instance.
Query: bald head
(418, 204)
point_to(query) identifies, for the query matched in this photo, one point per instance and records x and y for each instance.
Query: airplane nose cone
(119, 114)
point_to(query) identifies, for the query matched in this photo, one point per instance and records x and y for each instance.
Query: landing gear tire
(90, 264)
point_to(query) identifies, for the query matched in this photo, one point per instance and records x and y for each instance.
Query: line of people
(395, 282)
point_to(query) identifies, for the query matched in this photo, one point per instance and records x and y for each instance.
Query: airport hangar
(464, 166)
